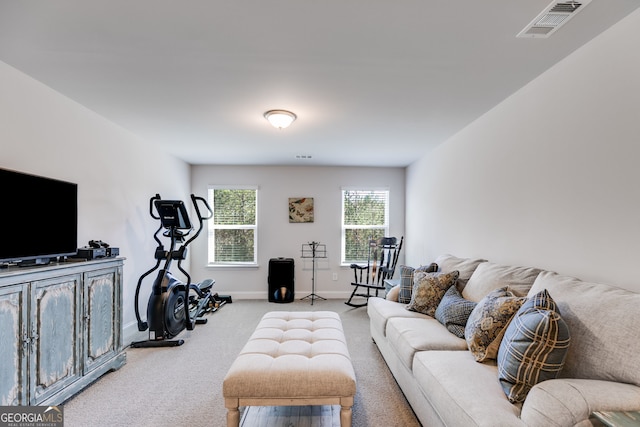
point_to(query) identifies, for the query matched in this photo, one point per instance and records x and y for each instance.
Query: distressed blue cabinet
(55, 335)
(14, 342)
(102, 339)
(63, 328)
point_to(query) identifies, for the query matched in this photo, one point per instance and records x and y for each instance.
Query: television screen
(38, 217)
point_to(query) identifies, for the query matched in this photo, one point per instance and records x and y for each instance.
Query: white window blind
(233, 228)
(365, 217)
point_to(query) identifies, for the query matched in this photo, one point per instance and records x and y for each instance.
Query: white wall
(45, 133)
(279, 238)
(548, 178)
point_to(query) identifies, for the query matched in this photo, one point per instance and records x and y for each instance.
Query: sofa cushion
(533, 348)
(381, 310)
(464, 266)
(410, 335)
(464, 393)
(428, 290)
(489, 276)
(453, 311)
(488, 321)
(603, 321)
(406, 280)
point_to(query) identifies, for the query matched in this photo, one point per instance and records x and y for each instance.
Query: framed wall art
(301, 209)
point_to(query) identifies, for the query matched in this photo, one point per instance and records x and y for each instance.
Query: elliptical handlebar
(143, 326)
(201, 219)
(155, 235)
(151, 206)
(194, 200)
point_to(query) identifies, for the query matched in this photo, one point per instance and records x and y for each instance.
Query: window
(365, 216)
(234, 226)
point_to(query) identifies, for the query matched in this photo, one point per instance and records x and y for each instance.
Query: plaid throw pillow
(533, 348)
(453, 311)
(406, 280)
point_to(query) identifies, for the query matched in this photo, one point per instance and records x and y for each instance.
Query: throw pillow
(488, 321)
(534, 347)
(393, 293)
(428, 290)
(406, 280)
(453, 311)
(406, 284)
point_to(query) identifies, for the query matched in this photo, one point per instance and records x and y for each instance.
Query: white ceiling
(374, 83)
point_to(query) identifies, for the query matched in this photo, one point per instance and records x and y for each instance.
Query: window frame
(344, 227)
(212, 227)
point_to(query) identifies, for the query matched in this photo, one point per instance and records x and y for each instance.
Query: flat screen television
(38, 218)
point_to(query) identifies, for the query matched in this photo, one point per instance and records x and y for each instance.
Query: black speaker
(281, 280)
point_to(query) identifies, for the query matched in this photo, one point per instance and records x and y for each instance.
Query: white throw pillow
(393, 293)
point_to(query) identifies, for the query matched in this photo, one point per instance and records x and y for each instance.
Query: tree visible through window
(233, 228)
(365, 217)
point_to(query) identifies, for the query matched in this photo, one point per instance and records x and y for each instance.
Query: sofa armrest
(568, 402)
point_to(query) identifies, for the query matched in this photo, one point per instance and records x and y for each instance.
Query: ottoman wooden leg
(233, 414)
(345, 411)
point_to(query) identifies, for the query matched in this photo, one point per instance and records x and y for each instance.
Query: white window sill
(218, 266)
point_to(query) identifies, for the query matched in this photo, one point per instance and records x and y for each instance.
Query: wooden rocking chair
(381, 264)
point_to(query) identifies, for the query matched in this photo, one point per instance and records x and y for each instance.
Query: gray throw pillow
(453, 311)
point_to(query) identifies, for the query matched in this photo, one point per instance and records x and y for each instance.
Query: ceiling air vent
(552, 17)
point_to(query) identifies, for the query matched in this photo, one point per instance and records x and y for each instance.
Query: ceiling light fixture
(280, 118)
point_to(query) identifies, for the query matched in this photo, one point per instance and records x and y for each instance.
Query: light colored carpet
(182, 386)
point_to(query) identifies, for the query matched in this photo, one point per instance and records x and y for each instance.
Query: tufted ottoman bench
(292, 359)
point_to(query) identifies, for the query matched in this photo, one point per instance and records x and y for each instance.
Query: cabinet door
(14, 348)
(55, 335)
(101, 307)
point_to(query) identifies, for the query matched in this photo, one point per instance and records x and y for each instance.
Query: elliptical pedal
(206, 285)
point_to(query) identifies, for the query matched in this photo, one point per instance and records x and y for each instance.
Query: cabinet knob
(25, 341)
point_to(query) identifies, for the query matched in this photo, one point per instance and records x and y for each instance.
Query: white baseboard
(131, 333)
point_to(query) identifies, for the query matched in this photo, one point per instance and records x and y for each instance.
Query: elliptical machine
(171, 309)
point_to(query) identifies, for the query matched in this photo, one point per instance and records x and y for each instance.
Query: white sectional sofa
(446, 385)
